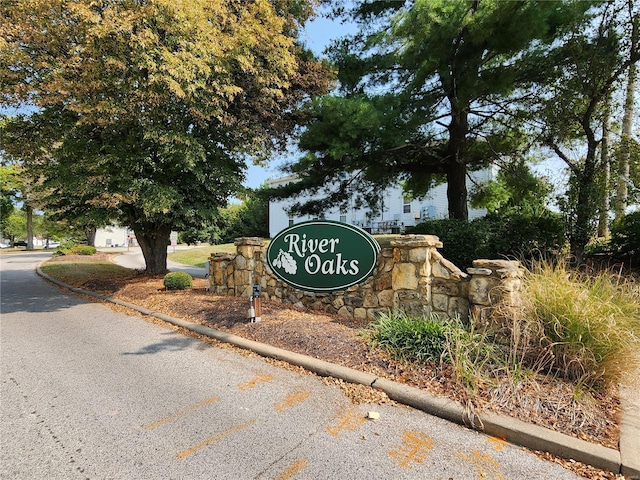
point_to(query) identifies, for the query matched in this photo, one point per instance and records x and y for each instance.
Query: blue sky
(317, 36)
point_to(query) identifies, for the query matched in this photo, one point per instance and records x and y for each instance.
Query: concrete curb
(625, 461)
(630, 431)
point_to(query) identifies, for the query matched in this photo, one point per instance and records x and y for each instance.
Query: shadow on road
(22, 292)
(174, 343)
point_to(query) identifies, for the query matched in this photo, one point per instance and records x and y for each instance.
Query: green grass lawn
(198, 257)
(75, 272)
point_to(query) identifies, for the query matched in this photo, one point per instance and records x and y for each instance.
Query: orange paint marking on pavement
(483, 462)
(292, 470)
(499, 443)
(215, 438)
(181, 413)
(292, 400)
(415, 448)
(263, 377)
(347, 421)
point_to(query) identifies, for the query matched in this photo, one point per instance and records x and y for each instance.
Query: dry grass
(588, 326)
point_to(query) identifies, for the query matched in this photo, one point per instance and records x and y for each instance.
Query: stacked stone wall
(410, 276)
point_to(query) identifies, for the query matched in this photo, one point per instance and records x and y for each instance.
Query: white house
(114, 236)
(398, 211)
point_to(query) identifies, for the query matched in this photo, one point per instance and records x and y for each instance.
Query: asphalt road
(91, 393)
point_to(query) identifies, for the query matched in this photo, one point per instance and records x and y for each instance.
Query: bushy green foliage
(415, 339)
(472, 355)
(625, 235)
(462, 241)
(249, 219)
(515, 235)
(527, 237)
(177, 281)
(252, 218)
(589, 327)
(83, 250)
(70, 248)
(516, 189)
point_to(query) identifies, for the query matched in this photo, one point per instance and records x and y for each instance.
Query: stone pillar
(411, 273)
(494, 293)
(221, 273)
(248, 266)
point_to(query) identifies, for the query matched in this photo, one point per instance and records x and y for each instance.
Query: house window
(406, 205)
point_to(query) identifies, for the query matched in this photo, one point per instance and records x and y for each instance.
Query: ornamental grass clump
(589, 324)
(407, 338)
(475, 359)
(177, 281)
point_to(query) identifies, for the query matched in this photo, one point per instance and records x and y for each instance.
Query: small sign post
(174, 240)
(255, 310)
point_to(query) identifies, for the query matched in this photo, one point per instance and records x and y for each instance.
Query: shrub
(83, 250)
(473, 356)
(589, 325)
(462, 242)
(527, 237)
(414, 339)
(177, 281)
(70, 248)
(625, 235)
(520, 236)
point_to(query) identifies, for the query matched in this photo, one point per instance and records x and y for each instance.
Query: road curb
(510, 429)
(630, 431)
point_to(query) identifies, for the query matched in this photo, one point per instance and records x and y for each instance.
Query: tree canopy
(149, 109)
(424, 88)
(578, 79)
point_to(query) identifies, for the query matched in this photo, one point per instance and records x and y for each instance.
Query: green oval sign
(322, 255)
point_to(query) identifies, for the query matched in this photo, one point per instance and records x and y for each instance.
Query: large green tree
(423, 95)
(149, 109)
(571, 104)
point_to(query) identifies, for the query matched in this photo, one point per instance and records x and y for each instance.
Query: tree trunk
(90, 235)
(457, 191)
(603, 219)
(587, 206)
(622, 192)
(456, 168)
(29, 210)
(153, 240)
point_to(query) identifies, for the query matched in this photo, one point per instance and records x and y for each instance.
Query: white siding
(112, 237)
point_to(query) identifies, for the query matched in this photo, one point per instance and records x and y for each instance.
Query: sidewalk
(625, 460)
